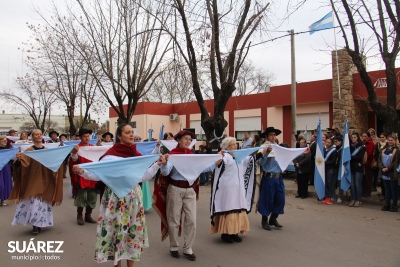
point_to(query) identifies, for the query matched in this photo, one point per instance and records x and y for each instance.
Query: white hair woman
(228, 195)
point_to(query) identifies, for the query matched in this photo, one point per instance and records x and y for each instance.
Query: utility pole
(293, 70)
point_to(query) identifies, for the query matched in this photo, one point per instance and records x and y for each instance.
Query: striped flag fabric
(319, 172)
(344, 166)
(325, 23)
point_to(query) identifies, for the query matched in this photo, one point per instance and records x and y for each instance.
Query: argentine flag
(325, 23)
(344, 167)
(319, 172)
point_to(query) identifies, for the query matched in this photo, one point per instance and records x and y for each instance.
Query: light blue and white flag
(23, 146)
(241, 154)
(191, 166)
(171, 144)
(161, 135)
(325, 23)
(145, 148)
(75, 142)
(344, 167)
(319, 172)
(50, 158)
(6, 155)
(284, 156)
(120, 175)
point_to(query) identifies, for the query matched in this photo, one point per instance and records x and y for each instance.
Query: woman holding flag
(36, 189)
(228, 195)
(121, 228)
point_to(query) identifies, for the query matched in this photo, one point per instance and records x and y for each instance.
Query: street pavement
(313, 235)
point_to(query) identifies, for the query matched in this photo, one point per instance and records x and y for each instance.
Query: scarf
(122, 150)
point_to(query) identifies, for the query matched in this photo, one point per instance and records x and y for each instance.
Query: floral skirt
(232, 223)
(35, 212)
(121, 227)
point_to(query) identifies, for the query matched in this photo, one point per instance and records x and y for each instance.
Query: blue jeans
(356, 185)
(391, 191)
(330, 182)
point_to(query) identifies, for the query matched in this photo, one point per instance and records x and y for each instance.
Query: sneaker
(351, 204)
(357, 204)
(339, 200)
(329, 201)
(323, 201)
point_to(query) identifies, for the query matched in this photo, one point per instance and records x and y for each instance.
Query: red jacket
(370, 147)
(76, 180)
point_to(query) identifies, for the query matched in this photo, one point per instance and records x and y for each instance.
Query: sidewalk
(291, 189)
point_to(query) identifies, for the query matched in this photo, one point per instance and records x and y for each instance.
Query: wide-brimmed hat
(330, 130)
(84, 131)
(269, 130)
(50, 133)
(107, 133)
(182, 133)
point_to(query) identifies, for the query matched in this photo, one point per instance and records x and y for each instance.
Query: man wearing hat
(54, 137)
(63, 137)
(107, 137)
(330, 132)
(272, 189)
(83, 190)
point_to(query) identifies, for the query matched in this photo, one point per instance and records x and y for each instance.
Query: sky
(312, 52)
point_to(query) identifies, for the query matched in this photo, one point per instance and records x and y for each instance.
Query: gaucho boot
(273, 221)
(264, 223)
(88, 215)
(79, 218)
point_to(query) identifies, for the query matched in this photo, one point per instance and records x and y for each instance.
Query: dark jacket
(304, 161)
(356, 162)
(392, 173)
(330, 162)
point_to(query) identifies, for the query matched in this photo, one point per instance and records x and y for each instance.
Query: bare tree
(380, 24)
(123, 46)
(229, 26)
(33, 95)
(50, 55)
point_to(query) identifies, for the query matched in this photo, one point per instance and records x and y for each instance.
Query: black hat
(182, 133)
(269, 130)
(330, 130)
(107, 133)
(50, 133)
(84, 131)
(64, 135)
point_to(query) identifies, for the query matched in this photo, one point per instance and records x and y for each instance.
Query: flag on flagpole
(325, 23)
(344, 167)
(161, 136)
(319, 172)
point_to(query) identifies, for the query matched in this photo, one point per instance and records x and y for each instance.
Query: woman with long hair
(357, 151)
(121, 228)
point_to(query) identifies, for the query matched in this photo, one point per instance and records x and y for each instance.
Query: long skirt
(121, 227)
(34, 211)
(5, 182)
(231, 223)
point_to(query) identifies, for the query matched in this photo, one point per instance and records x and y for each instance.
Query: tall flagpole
(337, 59)
(293, 70)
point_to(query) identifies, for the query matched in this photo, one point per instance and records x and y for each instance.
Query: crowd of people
(121, 226)
(374, 161)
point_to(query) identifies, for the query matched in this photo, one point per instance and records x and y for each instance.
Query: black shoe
(175, 254)
(227, 238)
(297, 196)
(236, 238)
(190, 257)
(386, 208)
(274, 222)
(35, 230)
(394, 209)
(303, 197)
(264, 223)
